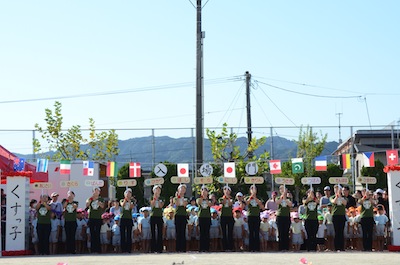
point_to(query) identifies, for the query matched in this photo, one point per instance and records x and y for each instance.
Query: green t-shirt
(156, 210)
(70, 211)
(180, 207)
(226, 210)
(204, 209)
(283, 209)
(338, 208)
(253, 208)
(367, 209)
(43, 215)
(95, 211)
(126, 211)
(311, 210)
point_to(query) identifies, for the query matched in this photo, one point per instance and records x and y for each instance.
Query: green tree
(137, 190)
(68, 144)
(224, 149)
(309, 146)
(377, 172)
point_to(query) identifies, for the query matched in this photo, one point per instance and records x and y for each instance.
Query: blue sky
(146, 51)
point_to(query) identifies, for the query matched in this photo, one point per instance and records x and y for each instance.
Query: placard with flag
(297, 165)
(369, 159)
(42, 165)
(275, 167)
(183, 170)
(135, 170)
(88, 168)
(229, 170)
(19, 164)
(345, 161)
(321, 164)
(111, 169)
(65, 167)
(392, 157)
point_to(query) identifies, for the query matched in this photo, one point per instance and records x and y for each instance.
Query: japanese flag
(183, 170)
(229, 170)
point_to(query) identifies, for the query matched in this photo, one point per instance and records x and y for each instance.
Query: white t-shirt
(321, 231)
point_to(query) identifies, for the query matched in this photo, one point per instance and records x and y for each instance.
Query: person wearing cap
(322, 233)
(367, 222)
(116, 234)
(338, 217)
(227, 220)
(239, 199)
(204, 219)
(70, 206)
(80, 234)
(126, 223)
(156, 220)
(180, 218)
(254, 206)
(95, 204)
(283, 218)
(144, 228)
(56, 206)
(311, 221)
(323, 203)
(43, 224)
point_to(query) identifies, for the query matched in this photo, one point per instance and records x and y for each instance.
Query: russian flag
(369, 159)
(321, 164)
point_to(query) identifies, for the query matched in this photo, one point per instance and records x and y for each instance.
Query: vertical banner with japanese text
(393, 178)
(17, 213)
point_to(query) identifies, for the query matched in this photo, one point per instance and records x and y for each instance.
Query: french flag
(369, 159)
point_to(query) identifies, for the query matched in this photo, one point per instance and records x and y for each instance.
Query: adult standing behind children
(227, 220)
(283, 218)
(254, 206)
(70, 206)
(43, 224)
(204, 219)
(126, 223)
(311, 220)
(338, 217)
(180, 218)
(367, 204)
(96, 207)
(156, 220)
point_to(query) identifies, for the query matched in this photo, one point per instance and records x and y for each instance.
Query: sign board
(203, 180)
(367, 180)
(254, 180)
(69, 184)
(126, 183)
(206, 170)
(393, 179)
(311, 181)
(94, 183)
(178, 180)
(338, 180)
(17, 213)
(251, 168)
(160, 170)
(153, 181)
(284, 181)
(228, 180)
(42, 185)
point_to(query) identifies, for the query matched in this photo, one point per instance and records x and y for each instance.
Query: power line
(304, 94)
(132, 90)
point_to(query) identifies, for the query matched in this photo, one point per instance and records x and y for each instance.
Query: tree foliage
(378, 173)
(224, 149)
(68, 143)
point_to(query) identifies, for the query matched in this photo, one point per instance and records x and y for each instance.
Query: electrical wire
(304, 94)
(132, 90)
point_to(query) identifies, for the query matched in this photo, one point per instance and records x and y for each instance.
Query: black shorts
(320, 241)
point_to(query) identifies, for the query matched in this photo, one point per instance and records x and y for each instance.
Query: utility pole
(340, 128)
(199, 90)
(248, 108)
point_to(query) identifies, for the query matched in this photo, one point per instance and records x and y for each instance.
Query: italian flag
(65, 167)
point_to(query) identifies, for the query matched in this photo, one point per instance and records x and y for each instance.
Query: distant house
(377, 141)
